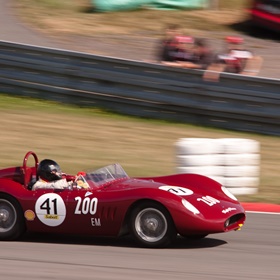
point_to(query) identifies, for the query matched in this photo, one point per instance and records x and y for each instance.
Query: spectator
(235, 56)
(169, 43)
(184, 49)
(203, 56)
(235, 59)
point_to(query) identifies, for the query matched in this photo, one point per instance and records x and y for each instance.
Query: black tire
(151, 225)
(12, 224)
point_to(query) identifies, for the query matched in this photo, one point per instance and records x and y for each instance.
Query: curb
(261, 207)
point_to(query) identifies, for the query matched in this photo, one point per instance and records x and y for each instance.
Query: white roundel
(177, 190)
(50, 209)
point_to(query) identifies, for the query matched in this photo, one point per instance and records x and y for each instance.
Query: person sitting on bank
(203, 56)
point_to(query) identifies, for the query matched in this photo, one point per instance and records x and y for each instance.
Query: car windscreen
(106, 174)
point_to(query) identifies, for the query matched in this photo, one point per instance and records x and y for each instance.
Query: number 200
(86, 206)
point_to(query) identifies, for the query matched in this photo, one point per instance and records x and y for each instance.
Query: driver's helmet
(49, 170)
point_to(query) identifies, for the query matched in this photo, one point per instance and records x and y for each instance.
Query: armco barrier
(141, 89)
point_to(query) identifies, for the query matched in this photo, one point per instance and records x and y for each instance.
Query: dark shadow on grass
(126, 241)
(87, 10)
(248, 28)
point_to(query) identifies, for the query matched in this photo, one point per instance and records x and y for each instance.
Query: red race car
(266, 13)
(107, 202)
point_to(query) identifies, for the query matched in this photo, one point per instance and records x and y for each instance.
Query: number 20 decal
(86, 205)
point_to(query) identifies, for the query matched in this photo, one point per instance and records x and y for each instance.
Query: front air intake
(235, 222)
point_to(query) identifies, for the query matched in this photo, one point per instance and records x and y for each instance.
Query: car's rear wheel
(151, 225)
(11, 219)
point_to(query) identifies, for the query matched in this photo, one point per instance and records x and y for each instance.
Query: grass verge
(73, 17)
(83, 138)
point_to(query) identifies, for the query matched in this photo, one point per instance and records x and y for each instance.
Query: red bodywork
(266, 13)
(105, 210)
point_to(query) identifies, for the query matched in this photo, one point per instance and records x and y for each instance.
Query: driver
(51, 177)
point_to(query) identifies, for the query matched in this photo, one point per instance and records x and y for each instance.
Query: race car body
(266, 13)
(107, 202)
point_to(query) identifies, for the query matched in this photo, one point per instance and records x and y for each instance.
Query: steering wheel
(24, 167)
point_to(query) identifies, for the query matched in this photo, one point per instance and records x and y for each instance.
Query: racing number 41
(49, 205)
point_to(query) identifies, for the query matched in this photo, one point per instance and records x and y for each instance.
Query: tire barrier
(233, 162)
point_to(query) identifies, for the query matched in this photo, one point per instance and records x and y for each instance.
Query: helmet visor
(55, 172)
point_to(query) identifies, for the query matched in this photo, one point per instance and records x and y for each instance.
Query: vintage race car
(107, 202)
(266, 13)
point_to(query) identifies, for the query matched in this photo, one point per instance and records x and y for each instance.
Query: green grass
(70, 17)
(84, 138)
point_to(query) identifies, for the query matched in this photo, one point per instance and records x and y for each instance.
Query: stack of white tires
(233, 162)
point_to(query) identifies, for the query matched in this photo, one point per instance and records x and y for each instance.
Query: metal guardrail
(141, 89)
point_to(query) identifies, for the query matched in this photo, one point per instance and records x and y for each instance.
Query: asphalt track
(251, 254)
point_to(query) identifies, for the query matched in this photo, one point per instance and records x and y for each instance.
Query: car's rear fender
(13, 173)
(14, 189)
(11, 187)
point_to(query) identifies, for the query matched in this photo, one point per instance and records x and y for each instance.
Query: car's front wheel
(11, 219)
(151, 225)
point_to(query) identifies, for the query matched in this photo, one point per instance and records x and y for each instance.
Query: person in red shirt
(169, 43)
(203, 56)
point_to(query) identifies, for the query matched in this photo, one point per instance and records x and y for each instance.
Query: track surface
(252, 253)
(11, 29)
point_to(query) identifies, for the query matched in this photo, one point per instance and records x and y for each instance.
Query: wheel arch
(10, 196)
(125, 225)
